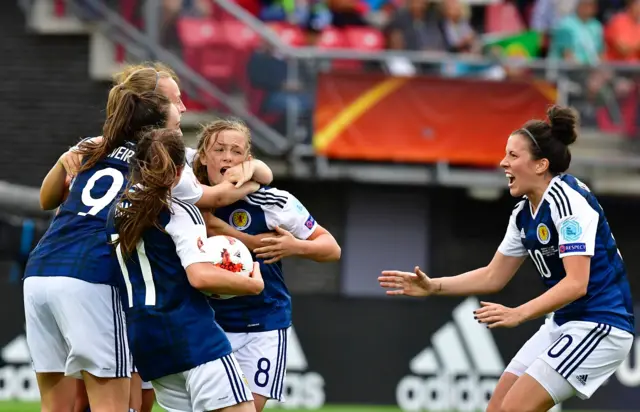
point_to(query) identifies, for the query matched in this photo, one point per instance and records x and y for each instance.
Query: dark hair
(551, 139)
(129, 112)
(154, 167)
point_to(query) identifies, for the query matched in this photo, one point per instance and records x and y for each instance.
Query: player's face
(173, 118)
(169, 88)
(227, 150)
(519, 166)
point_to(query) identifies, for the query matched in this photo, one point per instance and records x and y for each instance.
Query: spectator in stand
(578, 37)
(608, 8)
(269, 73)
(623, 34)
(546, 13)
(458, 33)
(417, 27)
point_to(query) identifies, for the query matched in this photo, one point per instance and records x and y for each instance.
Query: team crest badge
(200, 244)
(544, 236)
(240, 219)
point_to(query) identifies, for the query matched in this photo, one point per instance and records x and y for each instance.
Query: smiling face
(227, 149)
(522, 170)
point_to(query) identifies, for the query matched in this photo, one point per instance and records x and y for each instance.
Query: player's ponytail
(550, 139)
(208, 136)
(159, 157)
(129, 112)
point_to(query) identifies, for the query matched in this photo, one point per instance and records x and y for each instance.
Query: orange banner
(422, 119)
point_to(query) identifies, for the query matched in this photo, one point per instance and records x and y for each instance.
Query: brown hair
(129, 111)
(212, 130)
(551, 139)
(162, 69)
(154, 168)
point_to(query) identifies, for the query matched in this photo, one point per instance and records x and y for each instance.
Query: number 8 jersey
(75, 245)
(569, 221)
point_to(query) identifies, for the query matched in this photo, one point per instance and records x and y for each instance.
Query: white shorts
(575, 358)
(263, 358)
(211, 386)
(75, 326)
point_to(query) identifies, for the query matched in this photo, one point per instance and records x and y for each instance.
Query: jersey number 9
(96, 205)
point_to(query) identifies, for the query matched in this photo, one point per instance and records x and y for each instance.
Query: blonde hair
(212, 130)
(162, 69)
(132, 106)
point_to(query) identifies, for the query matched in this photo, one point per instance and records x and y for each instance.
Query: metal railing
(144, 47)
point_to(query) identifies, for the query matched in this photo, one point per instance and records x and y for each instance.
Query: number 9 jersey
(570, 222)
(76, 244)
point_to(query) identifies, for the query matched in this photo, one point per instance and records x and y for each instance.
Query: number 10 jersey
(569, 221)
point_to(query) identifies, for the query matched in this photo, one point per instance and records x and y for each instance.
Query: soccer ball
(230, 254)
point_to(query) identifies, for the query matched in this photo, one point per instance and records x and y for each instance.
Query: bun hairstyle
(551, 139)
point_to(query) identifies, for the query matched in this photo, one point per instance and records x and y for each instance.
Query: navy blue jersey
(170, 325)
(257, 213)
(75, 245)
(570, 222)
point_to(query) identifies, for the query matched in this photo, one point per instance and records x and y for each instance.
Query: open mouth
(223, 170)
(511, 178)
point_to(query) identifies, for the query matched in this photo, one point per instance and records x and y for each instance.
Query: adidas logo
(302, 388)
(17, 377)
(522, 235)
(582, 379)
(460, 368)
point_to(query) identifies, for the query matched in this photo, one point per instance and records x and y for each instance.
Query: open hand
(496, 316)
(407, 283)
(277, 247)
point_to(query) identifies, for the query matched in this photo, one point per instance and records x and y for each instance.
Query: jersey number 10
(541, 265)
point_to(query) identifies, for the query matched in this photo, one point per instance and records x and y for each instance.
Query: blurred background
(387, 119)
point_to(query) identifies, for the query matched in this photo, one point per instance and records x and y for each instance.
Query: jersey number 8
(541, 265)
(96, 205)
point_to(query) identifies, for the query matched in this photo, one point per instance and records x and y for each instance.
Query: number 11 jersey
(569, 221)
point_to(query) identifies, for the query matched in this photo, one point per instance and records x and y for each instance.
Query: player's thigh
(524, 358)
(263, 360)
(57, 392)
(82, 400)
(148, 397)
(505, 383)
(211, 386)
(585, 356)
(93, 324)
(135, 391)
(45, 341)
(107, 394)
(528, 395)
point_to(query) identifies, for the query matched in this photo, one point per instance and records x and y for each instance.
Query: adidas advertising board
(17, 379)
(457, 371)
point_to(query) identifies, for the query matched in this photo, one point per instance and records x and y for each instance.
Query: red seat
(289, 34)
(333, 38)
(364, 38)
(503, 18)
(207, 50)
